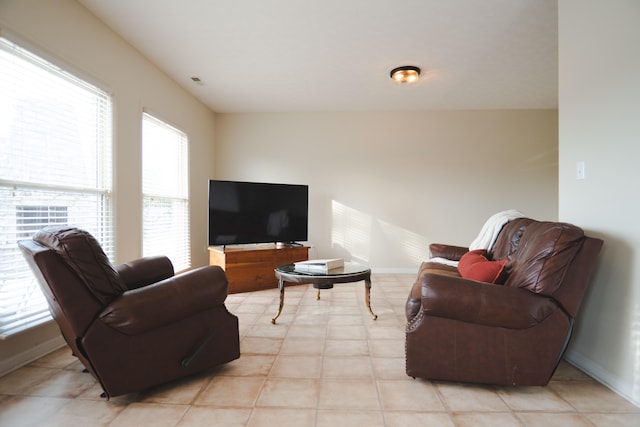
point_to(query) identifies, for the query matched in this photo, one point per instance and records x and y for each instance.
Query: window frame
(88, 202)
(158, 200)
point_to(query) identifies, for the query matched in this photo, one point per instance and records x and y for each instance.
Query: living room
(384, 184)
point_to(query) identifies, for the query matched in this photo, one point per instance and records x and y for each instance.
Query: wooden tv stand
(251, 267)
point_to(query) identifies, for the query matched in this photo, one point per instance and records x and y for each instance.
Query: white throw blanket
(491, 229)
(488, 234)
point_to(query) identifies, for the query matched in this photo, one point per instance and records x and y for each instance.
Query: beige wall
(69, 35)
(383, 185)
(600, 125)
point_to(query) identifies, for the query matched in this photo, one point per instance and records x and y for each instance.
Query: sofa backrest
(83, 254)
(550, 258)
(509, 238)
(71, 304)
(543, 256)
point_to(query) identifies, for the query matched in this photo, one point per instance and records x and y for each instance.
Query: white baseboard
(28, 356)
(603, 376)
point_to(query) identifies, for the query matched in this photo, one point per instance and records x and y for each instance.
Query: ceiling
(335, 55)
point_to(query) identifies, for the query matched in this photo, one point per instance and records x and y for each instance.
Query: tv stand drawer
(251, 268)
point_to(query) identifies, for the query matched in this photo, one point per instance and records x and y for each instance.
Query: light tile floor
(325, 363)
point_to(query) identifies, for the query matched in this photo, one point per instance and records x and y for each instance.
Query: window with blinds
(55, 152)
(165, 188)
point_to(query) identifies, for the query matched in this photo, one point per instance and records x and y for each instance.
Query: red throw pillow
(475, 266)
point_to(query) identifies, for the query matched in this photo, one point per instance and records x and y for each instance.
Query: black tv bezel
(295, 240)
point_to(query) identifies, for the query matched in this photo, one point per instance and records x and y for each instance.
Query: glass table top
(348, 269)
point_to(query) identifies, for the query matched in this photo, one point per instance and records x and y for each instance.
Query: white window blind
(55, 152)
(165, 188)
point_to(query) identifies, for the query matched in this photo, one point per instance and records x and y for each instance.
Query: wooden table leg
(281, 288)
(367, 297)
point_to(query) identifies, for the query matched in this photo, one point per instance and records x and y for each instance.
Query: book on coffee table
(319, 265)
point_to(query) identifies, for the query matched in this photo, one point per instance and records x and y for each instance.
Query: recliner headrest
(82, 252)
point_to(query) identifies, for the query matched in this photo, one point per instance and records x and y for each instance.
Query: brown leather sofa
(513, 332)
(134, 325)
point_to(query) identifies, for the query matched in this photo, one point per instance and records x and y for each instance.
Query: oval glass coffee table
(351, 272)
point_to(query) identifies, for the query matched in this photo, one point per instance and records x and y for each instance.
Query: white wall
(600, 125)
(69, 35)
(383, 185)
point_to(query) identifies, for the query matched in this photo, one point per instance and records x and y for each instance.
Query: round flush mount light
(405, 74)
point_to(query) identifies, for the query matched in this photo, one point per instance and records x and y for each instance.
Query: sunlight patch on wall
(412, 245)
(351, 231)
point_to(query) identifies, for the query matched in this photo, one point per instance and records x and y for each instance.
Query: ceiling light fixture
(405, 74)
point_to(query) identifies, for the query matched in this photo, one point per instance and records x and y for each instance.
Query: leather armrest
(145, 271)
(483, 303)
(150, 307)
(454, 253)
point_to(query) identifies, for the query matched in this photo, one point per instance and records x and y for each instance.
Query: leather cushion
(475, 266)
(544, 254)
(82, 252)
(509, 239)
(157, 305)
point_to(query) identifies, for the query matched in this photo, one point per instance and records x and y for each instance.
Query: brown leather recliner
(513, 333)
(134, 325)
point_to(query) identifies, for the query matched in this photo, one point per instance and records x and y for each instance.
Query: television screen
(253, 212)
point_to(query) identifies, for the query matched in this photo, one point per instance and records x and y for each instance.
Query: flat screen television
(254, 212)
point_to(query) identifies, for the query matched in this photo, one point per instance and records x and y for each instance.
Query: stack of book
(319, 265)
